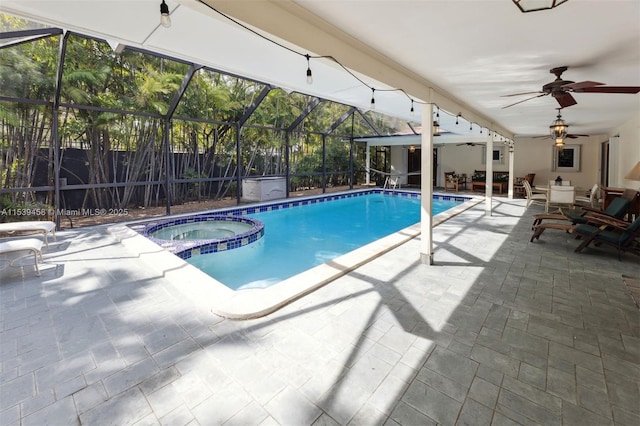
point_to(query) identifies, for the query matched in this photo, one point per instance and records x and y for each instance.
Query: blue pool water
(299, 238)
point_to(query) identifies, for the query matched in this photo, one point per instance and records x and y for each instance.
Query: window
(498, 155)
(567, 160)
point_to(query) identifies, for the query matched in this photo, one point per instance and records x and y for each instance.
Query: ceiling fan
(561, 89)
(569, 136)
(470, 144)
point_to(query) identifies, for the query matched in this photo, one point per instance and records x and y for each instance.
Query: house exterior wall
(536, 156)
(467, 159)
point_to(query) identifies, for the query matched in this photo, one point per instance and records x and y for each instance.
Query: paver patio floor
(499, 331)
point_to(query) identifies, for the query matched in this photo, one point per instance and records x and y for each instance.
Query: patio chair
(560, 196)
(532, 198)
(518, 185)
(592, 199)
(614, 232)
(616, 209)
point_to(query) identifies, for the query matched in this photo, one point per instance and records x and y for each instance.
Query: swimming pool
(209, 293)
(302, 237)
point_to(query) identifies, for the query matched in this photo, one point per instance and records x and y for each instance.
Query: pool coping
(209, 293)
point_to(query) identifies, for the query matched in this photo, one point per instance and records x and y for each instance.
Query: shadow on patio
(499, 331)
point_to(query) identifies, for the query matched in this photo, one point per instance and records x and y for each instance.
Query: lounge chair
(534, 198)
(29, 227)
(561, 226)
(28, 245)
(616, 209)
(617, 233)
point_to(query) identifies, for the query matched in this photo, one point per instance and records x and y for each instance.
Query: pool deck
(499, 331)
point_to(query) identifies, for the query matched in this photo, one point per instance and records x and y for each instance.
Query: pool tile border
(187, 249)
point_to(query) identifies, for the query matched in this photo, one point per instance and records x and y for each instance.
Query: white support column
(511, 167)
(488, 187)
(426, 185)
(368, 165)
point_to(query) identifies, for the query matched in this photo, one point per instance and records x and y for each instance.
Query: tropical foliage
(105, 133)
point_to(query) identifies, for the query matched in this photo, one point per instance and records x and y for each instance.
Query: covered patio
(467, 323)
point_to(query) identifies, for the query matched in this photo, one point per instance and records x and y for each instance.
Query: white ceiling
(463, 55)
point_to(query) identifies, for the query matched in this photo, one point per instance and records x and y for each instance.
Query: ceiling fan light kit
(558, 128)
(526, 6)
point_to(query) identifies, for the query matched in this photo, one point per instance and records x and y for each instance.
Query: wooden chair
(451, 181)
(529, 178)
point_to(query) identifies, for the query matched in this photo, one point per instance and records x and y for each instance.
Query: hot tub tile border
(187, 249)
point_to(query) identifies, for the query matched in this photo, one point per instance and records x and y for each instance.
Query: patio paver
(499, 331)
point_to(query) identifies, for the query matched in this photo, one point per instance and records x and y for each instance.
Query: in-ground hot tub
(191, 236)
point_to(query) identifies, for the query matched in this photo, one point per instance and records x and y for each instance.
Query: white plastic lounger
(29, 245)
(44, 227)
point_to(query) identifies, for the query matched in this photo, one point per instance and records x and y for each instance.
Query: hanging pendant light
(559, 144)
(436, 123)
(436, 128)
(558, 128)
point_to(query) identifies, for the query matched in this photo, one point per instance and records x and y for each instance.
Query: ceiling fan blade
(570, 136)
(524, 100)
(520, 94)
(566, 100)
(581, 85)
(610, 89)
(574, 136)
